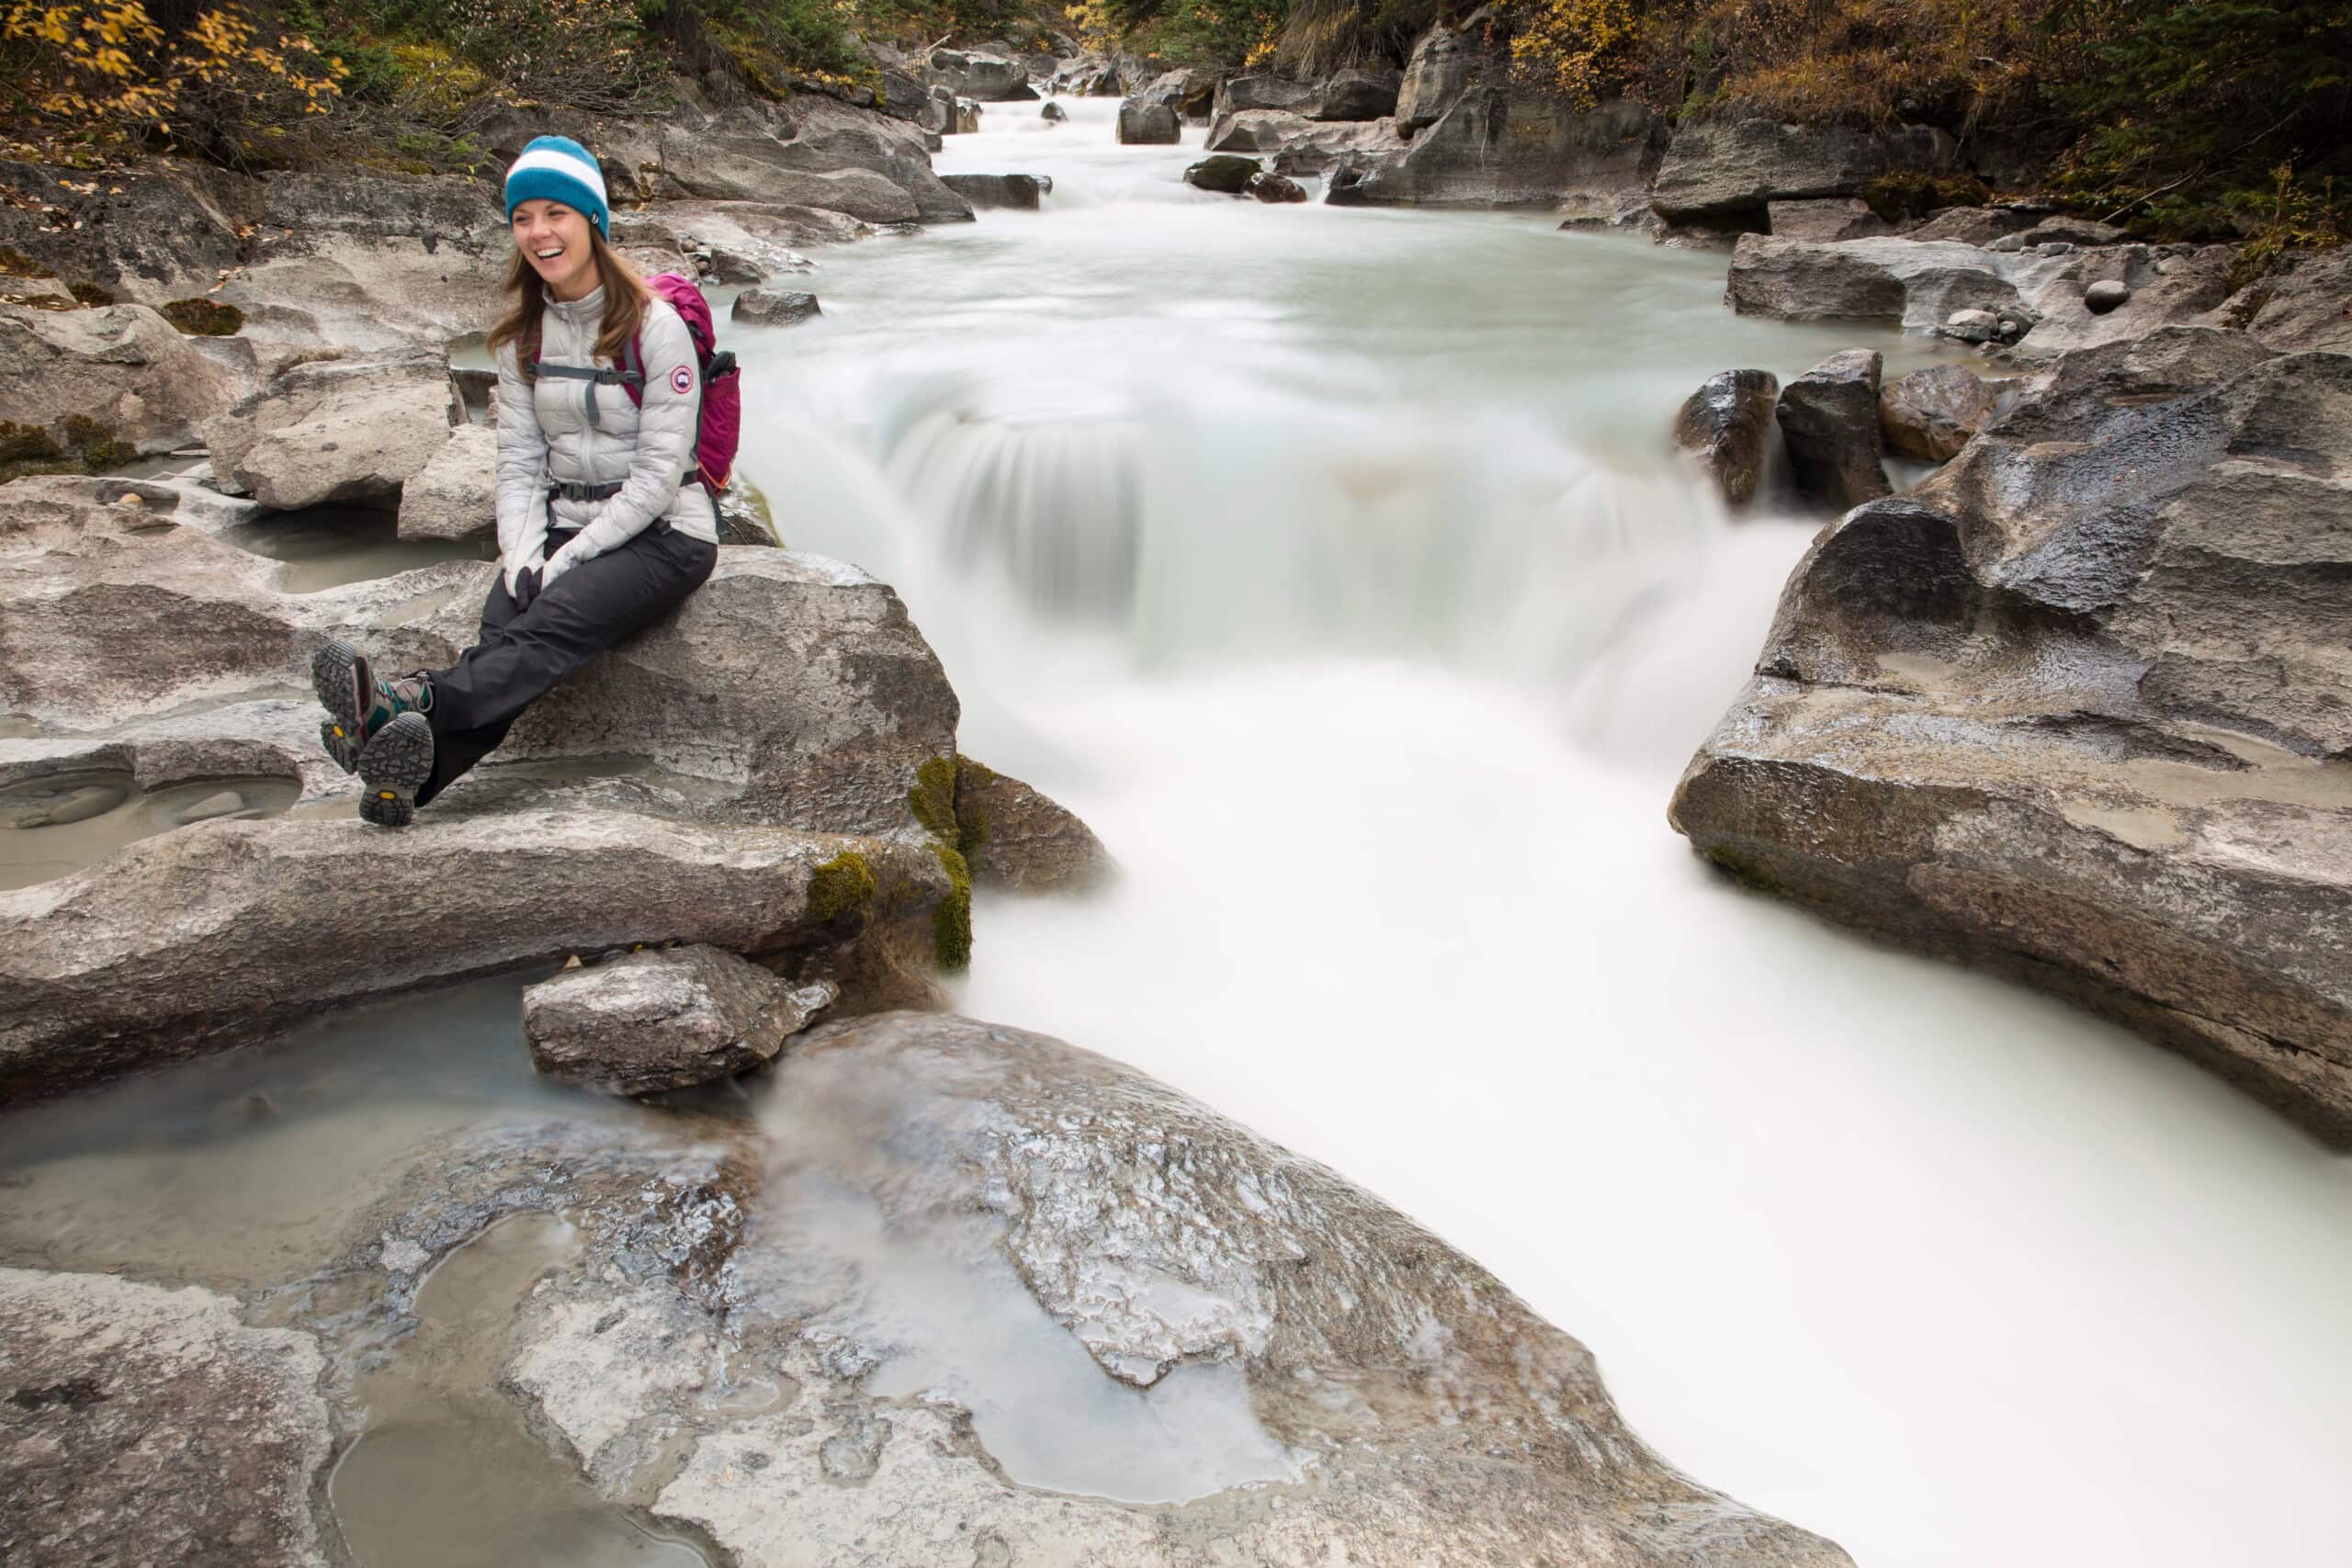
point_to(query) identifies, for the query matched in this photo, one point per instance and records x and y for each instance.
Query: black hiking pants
(523, 653)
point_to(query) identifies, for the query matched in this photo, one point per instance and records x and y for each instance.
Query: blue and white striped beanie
(557, 168)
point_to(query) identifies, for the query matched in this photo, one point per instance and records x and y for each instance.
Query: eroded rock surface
(1734, 166)
(145, 1425)
(1931, 414)
(124, 367)
(1829, 423)
(1089, 1287)
(2075, 710)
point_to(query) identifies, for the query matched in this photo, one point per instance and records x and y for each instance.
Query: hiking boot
(358, 704)
(397, 761)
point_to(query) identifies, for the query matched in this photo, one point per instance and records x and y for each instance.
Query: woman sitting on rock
(604, 524)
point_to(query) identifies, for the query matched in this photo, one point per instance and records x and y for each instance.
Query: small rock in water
(664, 1019)
(1149, 125)
(775, 307)
(1727, 425)
(1973, 326)
(68, 807)
(225, 804)
(1053, 111)
(2106, 294)
(1272, 188)
(1228, 173)
(1019, 192)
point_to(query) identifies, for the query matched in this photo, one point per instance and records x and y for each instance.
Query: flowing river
(1331, 564)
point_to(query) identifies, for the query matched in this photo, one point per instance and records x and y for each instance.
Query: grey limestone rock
(1493, 146)
(1886, 278)
(1829, 423)
(1826, 217)
(1359, 94)
(664, 1019)
(1444, 63)
(147, 1424)
(335, 429)
(1727, 425)
(123, 367)
(1148, 124)
(1724, 166)
(2070, 710)
(985, 78)
(453, 496)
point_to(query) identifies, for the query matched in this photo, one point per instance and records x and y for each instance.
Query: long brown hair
(625, 297)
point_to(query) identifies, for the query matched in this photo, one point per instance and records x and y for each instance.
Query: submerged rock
(1829, 423)
(1273, 188)
(1021, 192)
(775, 307)
(1102, 1291)
(664, 1019)
(1016, 839)
(1931, 414)
(1226, 174)
(2074, 710)
(146, 1425)
(1727, 425)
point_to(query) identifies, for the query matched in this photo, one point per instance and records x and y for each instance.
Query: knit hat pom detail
(557, 168)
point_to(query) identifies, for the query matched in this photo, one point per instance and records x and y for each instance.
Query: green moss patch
(951, 921)
(843, 885)
(87, 447)
(90, 294)
(1908, 194)
(204, 318)
(1745, 870)
(932, 800)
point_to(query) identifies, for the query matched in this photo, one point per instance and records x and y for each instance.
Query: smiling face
(555, 240)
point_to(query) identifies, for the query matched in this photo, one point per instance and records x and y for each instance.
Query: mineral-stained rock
(664, 1019)
(213, 935)
(2075, 710)
(123, 367)
(1149, 125)
(146, 1425)
(1931, 414)
(453, 496)
(936, 1183)
(1274, 190)
(1727, 425)
(1720, 167)
(1829, 422)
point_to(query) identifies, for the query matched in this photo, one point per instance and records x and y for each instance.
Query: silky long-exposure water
(1330, 563)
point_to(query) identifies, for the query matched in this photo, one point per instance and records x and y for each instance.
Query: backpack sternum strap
(629, 380)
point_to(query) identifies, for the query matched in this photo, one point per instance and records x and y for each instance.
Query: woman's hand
(524, 578)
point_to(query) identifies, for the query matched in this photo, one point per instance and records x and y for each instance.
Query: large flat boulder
(123, 368)
(1046, 1243)
(217, 934)
(2074, 710)
(146, 1425)
(1497, 147)
(794, 687)
(162, 232)
(351, 438)
(1917, 285)
(1732, 167)
(371, 262)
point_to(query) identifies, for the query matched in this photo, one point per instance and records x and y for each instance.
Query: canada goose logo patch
(681, 380)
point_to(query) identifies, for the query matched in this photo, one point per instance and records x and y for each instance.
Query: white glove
(563, 560)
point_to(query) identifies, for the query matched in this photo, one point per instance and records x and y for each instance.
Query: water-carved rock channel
(1326, 562)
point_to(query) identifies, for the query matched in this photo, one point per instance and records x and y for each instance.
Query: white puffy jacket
(546, 436)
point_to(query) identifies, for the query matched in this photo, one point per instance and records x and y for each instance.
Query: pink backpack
(723, 388)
